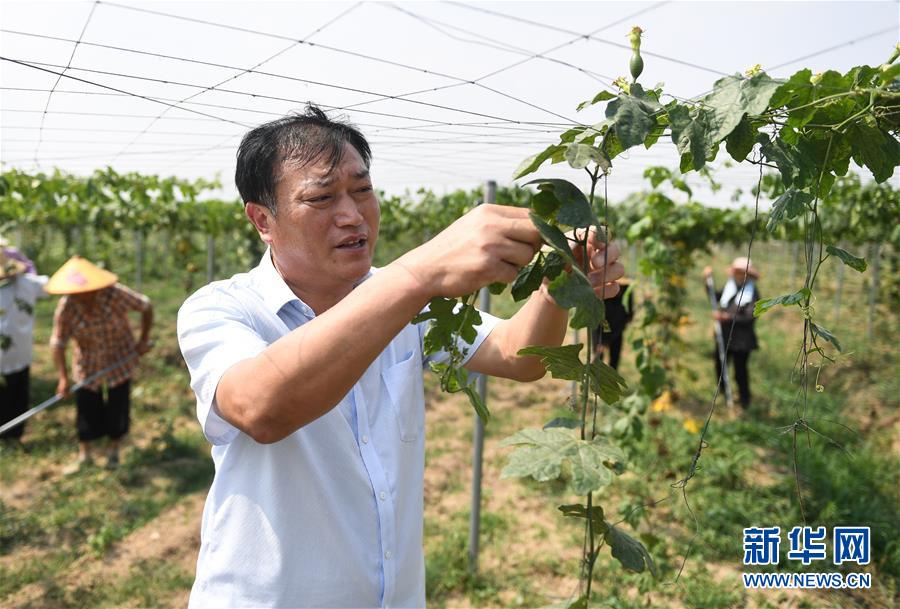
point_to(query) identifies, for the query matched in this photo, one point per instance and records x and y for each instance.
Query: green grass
(745, 477)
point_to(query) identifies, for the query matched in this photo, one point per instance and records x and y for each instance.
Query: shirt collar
(273, 289)
(276, 293)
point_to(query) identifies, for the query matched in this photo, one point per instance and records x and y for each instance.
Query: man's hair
(298, 139)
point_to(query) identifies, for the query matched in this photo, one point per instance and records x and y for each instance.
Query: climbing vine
(808, 127)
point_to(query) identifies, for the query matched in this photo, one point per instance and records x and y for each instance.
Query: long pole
(56, 398)
(720, 341)
(490, 196)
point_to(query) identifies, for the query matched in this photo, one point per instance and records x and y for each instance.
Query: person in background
(13, 253)
(619, 313)
(20, 287)
(735, 316)
(93, 312)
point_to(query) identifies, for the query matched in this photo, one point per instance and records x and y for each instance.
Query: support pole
(873, 290)
(795, 261)
(838, 292)
(490, 196)
(138, 259)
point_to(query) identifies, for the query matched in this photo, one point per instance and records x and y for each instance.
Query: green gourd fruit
(636, 65)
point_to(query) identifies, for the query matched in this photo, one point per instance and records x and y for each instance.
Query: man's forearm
(306, 373)
(539, 322)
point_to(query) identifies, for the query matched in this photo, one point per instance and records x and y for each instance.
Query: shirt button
(382, 495)
(365, 439)
(388, 554)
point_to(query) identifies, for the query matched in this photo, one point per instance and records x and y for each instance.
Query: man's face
(327, 223)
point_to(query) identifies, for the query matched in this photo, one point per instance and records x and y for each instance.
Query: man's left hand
(604, 268)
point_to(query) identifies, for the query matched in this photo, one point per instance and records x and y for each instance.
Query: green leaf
(528, 280)
(475, 400)
(600, 97)
(532, 163)
(732, 98)
(785, 300)
(821, 332)
(590, 134)
(580, 156)
(573, 290)
(657, 175)
(448, 321)
(554, 237)
(794, 92)
(457, 379)
(573, 209)
(563, 423)
(545, 204)
(554, 264)
(564, 363)
(789, 205)
(874, 150)
(631, 120)
(579, 603)
(690, 135)
(543, 454)
(578, 510)
(628, 551)
(892, 73)
(740, 142)
(497, 288)
(854, 262)
(779, 152)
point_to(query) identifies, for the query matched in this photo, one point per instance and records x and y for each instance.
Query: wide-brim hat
(743, 263)
(79, 275)
(10, 267)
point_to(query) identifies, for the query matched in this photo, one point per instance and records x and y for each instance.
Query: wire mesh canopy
(448, 93)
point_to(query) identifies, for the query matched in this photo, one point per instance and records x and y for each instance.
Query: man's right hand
(488, 244)
(62, 387)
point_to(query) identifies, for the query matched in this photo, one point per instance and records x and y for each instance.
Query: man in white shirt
(308, 375)
(20, 287)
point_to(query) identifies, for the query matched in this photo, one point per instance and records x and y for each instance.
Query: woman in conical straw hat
(20, 287)
(93, 312)
(735, 317)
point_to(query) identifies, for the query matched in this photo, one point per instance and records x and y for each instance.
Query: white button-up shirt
(330, 516)
(17, 298)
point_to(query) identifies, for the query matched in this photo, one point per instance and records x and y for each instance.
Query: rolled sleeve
(214, 333)
(483, 330)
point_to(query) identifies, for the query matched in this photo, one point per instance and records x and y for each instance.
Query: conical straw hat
(78, 275)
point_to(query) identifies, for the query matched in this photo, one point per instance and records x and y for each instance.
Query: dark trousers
(14, 401)
(614, 344)
(98, 418)
(741, 374)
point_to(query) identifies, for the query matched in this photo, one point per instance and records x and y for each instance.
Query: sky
(450, 94)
